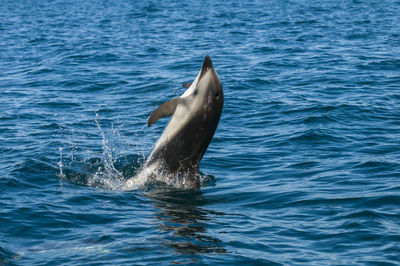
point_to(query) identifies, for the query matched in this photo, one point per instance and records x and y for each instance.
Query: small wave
(315, 136)
(6, 255)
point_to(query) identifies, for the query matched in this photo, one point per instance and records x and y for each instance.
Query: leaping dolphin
(195, 117)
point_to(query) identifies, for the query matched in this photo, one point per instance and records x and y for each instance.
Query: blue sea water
(303, 169)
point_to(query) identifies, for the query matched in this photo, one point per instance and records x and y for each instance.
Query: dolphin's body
(195, 117)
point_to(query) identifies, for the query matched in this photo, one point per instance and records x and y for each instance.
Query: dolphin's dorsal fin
(165, 109)
(187, 85)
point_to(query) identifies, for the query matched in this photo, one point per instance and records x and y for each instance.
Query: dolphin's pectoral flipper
(165, 109)
(187, 85)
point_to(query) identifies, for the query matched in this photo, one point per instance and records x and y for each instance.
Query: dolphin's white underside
(192, 100)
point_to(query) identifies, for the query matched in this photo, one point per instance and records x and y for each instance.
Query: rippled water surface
(303, 169)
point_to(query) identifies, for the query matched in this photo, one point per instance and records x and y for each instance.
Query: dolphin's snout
(207, 64)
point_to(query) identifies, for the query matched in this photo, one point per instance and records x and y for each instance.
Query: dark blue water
(304, 167)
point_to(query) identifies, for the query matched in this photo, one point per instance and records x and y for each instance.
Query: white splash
(61, 174)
